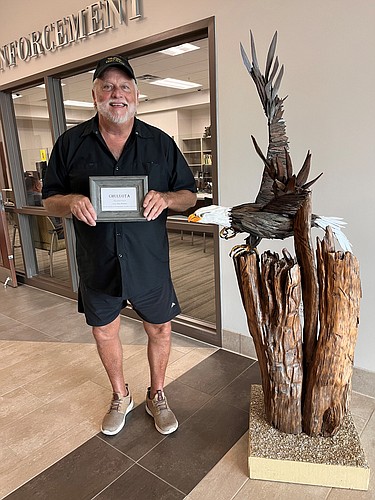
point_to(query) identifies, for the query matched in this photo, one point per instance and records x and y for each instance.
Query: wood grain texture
(329, 378)
(271, 296)
(305, 258)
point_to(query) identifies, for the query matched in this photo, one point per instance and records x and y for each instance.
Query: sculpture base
(337, 462)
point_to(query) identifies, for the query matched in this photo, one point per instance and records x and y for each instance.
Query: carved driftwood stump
(329, 378)
(271, 294)
(271, 297)
(309, 279)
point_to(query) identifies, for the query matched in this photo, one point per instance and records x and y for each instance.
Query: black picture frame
(118, 198)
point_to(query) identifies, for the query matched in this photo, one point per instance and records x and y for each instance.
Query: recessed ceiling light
(79, 104)
(179, 49)
(16, 96)
(175, 84)
(142, 96)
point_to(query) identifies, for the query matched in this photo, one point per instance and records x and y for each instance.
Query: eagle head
(212, 214)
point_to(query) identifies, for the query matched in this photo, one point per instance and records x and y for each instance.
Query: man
(33, 191)
(122, 262)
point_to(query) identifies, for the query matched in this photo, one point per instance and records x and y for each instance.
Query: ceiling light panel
(79, 104)
(175, 84)
(179, 49)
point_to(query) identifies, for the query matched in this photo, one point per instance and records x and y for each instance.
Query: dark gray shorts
(156, 306)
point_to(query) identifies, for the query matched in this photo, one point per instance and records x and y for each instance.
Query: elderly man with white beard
(122, 262)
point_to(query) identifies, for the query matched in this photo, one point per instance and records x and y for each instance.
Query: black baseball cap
(114, 62)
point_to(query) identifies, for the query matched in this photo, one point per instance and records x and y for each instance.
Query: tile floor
(54, 393)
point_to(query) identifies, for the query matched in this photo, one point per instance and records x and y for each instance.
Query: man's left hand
(154, 203)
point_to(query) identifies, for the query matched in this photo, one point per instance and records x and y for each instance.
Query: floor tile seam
(4, 426)
(46, 404)
(363, 394)
(234, 379)
(233, 406)
(58, 435)
(12, 342)
(161, 479)
(219, 391)
(204, 344)
(37, 355)
(51, 337)
(47, 309)
(99, 436)
(366, 423)
(112, 482)
(170, 365)
(28, 382)
(53, 463)
(331, 490)
(239, 488)
(62, 457)
(240, 354)
(166, 436)
(182, 424)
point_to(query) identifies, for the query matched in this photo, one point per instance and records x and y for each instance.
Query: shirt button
(116, 168)
(120, 255)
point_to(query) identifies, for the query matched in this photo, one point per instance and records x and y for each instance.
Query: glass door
(7, 224)
(175, 96)
(48, 234)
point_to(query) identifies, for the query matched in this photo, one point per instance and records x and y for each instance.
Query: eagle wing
(267, 86)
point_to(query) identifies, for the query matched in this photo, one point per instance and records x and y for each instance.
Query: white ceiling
(191, 66)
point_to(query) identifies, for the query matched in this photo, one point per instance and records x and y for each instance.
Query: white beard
(111, 114)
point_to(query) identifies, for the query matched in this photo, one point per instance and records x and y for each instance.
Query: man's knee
(106, 332)
(158, 331)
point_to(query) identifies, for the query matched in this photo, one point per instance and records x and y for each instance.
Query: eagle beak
(194, 218)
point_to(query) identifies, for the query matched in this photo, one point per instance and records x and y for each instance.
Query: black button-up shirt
(119, 258)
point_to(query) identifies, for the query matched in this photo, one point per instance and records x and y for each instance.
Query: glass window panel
(30, 106)
(192, 267)
(35, 139)
(77, 98)
(50, 247)
(9, 204)
(184, 114)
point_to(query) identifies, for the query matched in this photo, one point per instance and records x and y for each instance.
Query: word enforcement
(96, 18)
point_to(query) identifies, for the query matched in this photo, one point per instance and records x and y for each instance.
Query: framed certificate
(118, 198)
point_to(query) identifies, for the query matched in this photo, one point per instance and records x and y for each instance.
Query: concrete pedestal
(337, 462)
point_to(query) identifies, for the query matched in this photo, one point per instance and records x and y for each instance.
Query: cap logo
(114, 59)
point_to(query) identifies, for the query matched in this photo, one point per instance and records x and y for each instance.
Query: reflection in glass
(30, 106)
(192, 267)
(78, 102)
(35, 139)
(184, 114)
(50, 247)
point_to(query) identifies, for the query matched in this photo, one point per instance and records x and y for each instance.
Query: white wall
(166, 120)
(326, 48)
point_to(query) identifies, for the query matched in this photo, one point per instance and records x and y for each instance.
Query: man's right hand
(82, 209)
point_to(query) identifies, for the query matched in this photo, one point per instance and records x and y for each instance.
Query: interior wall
(166, 120)
(329, 78)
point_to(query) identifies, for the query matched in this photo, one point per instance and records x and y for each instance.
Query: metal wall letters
(95, 18)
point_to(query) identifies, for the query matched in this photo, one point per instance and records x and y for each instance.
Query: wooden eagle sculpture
(305, 366)
(281, 192)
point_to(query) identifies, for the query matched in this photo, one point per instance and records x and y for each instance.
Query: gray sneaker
(114, 420)
(164, 419)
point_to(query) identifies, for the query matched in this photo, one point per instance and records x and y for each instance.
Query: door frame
(204, 28)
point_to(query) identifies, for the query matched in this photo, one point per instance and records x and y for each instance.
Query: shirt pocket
(80, 173)
(158, 178)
